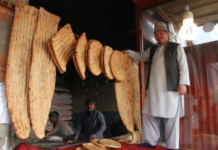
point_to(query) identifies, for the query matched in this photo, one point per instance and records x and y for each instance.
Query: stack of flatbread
(100, 144)
(127, 89)
(123, 90)
(131, 138)
(133, 70)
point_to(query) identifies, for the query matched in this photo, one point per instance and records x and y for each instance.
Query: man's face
(52, 119)
(90, 107)
(161, 37)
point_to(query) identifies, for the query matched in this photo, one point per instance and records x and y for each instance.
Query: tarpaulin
(125, 146)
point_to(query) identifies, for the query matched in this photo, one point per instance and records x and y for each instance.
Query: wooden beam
(177, 8)
(175, 4)
(144, 4)
(139, 48)
(170, 15)
(166, 18)
(204, 19)
(207, 18)
(199, 11)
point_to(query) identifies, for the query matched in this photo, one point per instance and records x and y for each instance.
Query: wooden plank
(164, 15)
(142, 4)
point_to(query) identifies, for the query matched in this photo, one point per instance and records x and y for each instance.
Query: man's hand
(125, 52)
(70, 142)
(75, 139)
(50, 133)
(92, 137)
(182, 89)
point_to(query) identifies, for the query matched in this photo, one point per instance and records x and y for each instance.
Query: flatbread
(91, 146)
(80, 148)
(97, 143)
(62, 45)
(117, 65)
(79, 54)
(124, 99)
(93, 58)
(18, 66)
(133, 69)
(74, 61)
(42, 72)
(110, 143)
(105, 62)
(53, 57)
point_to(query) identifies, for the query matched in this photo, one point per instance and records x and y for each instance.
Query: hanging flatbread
(97, 143)
(91, 146)
(110, 143)
(18, 66)
(93, 58)
(42, 72)
(117, 65)
(124, 99)
(133, 69)
(79, 54)
(52, 54)
(105, 62)
(74, 61)
(63, 43)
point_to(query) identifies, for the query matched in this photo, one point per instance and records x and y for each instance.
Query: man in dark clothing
(91, 125)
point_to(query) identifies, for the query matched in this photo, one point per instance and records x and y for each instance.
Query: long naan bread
(135, 90)
(117, 65)
(18, 66)
(62, 44)
(105, 62)
(124, 99)
(42, 72)
(93, 57)
(53, 56)
(79, 55)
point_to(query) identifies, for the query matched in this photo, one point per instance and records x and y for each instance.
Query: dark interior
(112, 22)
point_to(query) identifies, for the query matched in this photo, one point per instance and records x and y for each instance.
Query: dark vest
(171, 65)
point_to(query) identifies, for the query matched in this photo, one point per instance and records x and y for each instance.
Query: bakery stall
(49, 82)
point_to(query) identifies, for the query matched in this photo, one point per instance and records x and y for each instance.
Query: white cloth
(5, 117)
(160, 102)
(151, 131)
(4, 137)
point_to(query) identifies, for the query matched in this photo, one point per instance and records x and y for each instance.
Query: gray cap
(160, 26)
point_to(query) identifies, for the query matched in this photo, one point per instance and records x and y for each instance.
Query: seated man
(91, 125)
(60, 127)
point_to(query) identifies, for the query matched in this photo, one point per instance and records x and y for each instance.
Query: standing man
(60, 128)
(167, 80)
(91, 125)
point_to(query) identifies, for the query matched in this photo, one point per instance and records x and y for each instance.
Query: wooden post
(139, 45)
